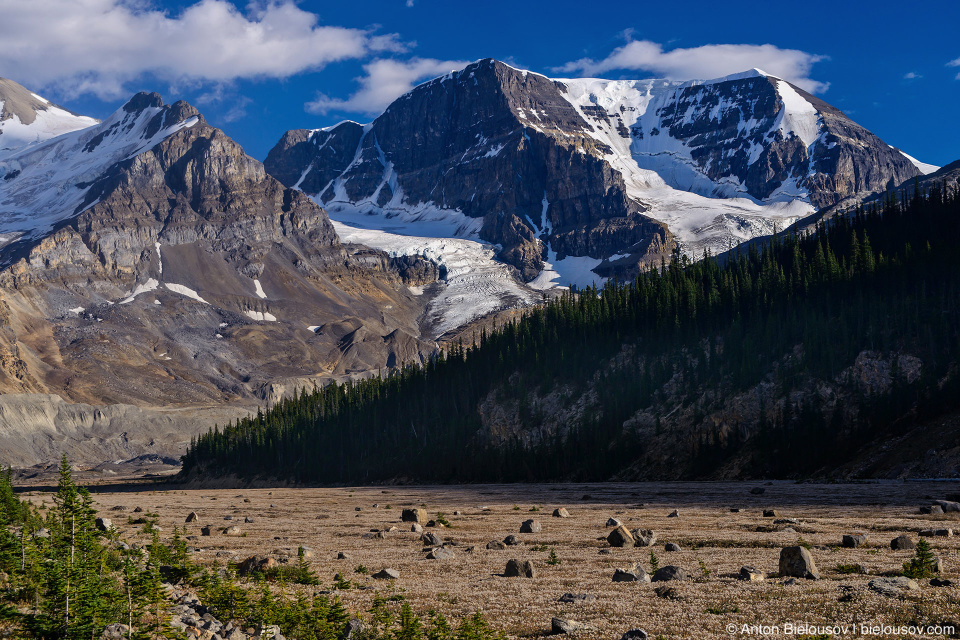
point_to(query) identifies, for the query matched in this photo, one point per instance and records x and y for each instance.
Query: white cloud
(98, 46)
(705, 62)
(385, 81)
(912, 76)
(409, 3)
(954, 63)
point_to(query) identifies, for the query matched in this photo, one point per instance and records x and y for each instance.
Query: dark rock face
(460, 143)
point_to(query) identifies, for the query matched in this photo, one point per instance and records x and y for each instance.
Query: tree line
(885, 279)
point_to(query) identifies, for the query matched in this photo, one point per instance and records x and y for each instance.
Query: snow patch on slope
(50, 123)
(924, 167)
(185, 291)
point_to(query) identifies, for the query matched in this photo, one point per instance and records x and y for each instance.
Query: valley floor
(715, 543)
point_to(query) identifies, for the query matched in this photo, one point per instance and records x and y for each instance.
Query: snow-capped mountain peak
(29, 119)
(48, 182)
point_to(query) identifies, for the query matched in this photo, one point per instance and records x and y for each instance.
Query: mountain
(573, 175)
(148, 261)
(26, 118)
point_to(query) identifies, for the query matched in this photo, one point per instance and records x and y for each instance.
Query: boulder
(561, 513)
(893, 587)
(256, 564)
(496, 544)
(613, 522)
(634, 634)
(670, 546)
(669, 572)
(387, 574)
(103, 524)
(560, 625)
(751, 574)
(233, 531)
(206, 531)
(939, 582)
(511, 540)
(633, 574)
(903, 542)
(674, 514)
(115, 631)
(798, 563)
(948, 506)
(643, 537)
(575, 598)
(430, 539)
(852, 541)
(413, 515)
(621, 537)
(440, 553)
(191, 517)
(342, 556)
(530, 526)
(517, 569)
(937, 533)
(931, 510)
(416, 527)
(770, 513)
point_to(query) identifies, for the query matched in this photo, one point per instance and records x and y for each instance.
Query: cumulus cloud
(385, 81)
(99, 46)
(912, 76)
(704, 62)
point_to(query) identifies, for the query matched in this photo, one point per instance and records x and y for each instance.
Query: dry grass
(326, 521)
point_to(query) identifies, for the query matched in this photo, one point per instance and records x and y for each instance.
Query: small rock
(613, 522)
(440, 553)
(355, 508)
(228, 517)
(191, 517)
(496, 544)
(937, 533)
(669, 572)
(387, 574)
(103, 524)
(430, 539)
(670, 546)
(758, 491)
(789, 582)
(342, 556)
(511, 540)
(517, 569)
(786, 521)
(797, 562)
(620, 537)
(770, 513)
(574, 598)
(559, 625)
(939, 582)
(413, 515)
(643, 537)
(634, 634)
(115, 631)
(751, 574)
(561, 513)
(903, 542)
(256, 564)
(530, 526)
(788, 530)
(634, 574)
(248, 520)
(667, 592)
(232, 531)
(734, 510)
(893, 587)
(932, 510)
(416, 527)
(674, 514)
(119, 507)
(353, 630)
(852, 541)
(140, 509)
(206, 531)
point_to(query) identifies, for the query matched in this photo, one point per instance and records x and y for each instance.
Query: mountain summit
(26, 118)
(612, 172)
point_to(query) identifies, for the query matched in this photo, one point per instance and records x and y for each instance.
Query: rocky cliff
(168, 270)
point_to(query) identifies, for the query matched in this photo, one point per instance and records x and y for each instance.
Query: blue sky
(258, 69)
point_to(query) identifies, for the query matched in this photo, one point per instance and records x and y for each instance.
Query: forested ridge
(573, 376)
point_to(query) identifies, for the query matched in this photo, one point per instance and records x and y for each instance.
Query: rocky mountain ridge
(613, 173)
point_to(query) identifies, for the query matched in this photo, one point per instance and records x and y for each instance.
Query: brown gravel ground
(327, 521)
